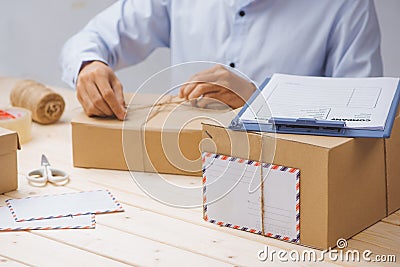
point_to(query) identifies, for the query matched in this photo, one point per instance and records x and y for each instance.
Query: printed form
(362, 103)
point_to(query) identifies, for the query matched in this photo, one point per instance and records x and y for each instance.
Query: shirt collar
(243, 3)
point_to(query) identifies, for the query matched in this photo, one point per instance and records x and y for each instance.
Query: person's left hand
(220, 84)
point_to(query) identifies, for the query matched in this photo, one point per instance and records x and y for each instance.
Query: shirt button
(232, 65)
(242, 13)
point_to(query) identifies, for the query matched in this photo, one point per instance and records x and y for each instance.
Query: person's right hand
(99, 91)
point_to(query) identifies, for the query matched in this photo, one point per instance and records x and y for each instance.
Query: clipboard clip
(236, 124)
(307, 125)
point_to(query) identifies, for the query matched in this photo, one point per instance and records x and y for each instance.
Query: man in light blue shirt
(338, 38)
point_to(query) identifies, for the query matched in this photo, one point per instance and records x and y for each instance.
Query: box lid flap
(142, 112)
(81, 118)
(8, 141)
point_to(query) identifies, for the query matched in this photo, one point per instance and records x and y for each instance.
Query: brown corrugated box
(164, 139)
(392, 153)
(342, 182)
(8, 160)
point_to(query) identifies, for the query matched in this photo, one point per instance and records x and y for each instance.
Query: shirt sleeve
(122, 35)
(354, 42)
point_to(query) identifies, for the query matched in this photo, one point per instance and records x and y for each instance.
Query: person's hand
(220, 84)
(99, 91)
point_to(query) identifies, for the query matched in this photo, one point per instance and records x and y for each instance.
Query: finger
(210, 98)
(96, 98)
(181, 89)
(229, 98)
(203, 89)
(187, 89)
(110, 99)
(119, 94)
(89, 108)
(205, 76)
(204, 102)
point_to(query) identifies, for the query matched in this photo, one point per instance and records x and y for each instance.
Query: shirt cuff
(71, 70)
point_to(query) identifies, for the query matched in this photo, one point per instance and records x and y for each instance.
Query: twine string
(262, 185)
(158, 107)
(155, 109)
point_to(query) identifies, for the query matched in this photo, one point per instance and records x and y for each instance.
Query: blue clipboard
(312, 126)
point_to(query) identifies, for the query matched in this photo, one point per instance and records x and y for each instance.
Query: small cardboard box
(342, 180)
(8, 160)
(163, 139)
(392, 154)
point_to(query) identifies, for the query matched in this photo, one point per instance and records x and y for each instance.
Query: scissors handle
(37, 177)
(40, 177)
(56, 176)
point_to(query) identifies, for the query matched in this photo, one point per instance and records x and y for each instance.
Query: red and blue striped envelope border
(254, 163)
(60, 227)
(118, 208)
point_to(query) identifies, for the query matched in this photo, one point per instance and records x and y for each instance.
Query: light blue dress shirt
(258, 37)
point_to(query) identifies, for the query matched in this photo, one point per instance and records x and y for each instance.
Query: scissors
(40, 177)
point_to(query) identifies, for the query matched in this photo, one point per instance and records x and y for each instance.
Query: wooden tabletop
(148, 233)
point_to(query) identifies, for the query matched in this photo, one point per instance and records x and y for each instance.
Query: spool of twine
(46, 105)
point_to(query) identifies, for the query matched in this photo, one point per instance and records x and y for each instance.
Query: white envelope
(7, 222)
(56, 206)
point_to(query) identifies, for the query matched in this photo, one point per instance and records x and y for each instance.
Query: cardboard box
(342, 180)
(164, 139)
(8, 160)
(392, 154)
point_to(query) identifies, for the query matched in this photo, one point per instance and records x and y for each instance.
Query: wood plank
(201, 240)
(394, 218)
(143, 202)
(382, 234)
(8, 262)
(128, 248)
(30, 249)
(362, 246)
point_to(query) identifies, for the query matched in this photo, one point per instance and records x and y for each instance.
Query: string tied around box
(161, 105)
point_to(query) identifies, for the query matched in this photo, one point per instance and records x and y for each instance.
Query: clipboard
(312, 126)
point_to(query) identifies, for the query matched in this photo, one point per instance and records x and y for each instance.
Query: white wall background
(389, 20)
(33, 32)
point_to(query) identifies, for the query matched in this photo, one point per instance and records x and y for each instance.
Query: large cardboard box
(342, 180)
(8, 160)
(392, 154)
(162, 138)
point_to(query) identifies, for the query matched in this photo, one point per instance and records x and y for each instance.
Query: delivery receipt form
(362, 103)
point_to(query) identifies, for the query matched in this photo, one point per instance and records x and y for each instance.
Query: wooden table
(148, 233)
